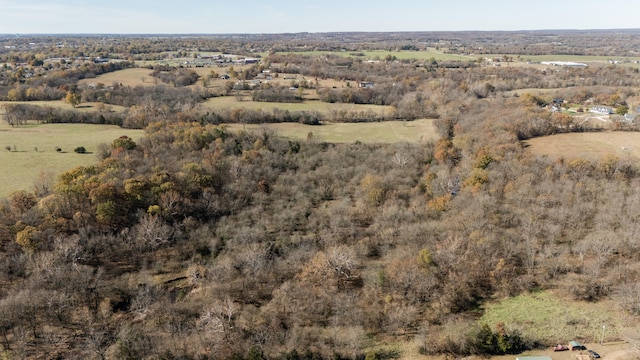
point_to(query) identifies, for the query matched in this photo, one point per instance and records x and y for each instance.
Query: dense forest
(197, 242)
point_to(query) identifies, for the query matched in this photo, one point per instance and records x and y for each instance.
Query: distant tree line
(54, 85)
(277, 94)
(20, 114)
(175, 75)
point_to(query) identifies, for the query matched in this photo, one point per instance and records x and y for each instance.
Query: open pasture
(588, 145)
(555, 318)
(234, 102)
(33, 150)
(127, 77)
(284, 79)
(54, 103)
(61, 104)
(219, 69)
(377, 132)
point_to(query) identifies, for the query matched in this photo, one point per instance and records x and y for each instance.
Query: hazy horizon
(309, 32)
(146, 17)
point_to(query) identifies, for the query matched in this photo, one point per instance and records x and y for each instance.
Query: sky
(289, 16)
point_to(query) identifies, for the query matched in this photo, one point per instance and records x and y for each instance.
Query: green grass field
(545, 316)
(378, 132)
(24, 164)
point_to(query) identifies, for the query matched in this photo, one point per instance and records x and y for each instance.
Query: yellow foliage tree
(374, 189)
(28, 239)
(73, 98)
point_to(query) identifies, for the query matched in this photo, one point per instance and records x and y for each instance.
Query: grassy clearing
(548, 317)
(55, 104)
(26, 163)
(379, 132)
(87, 106)
(127, 77)
(232, 102)
(592, 146)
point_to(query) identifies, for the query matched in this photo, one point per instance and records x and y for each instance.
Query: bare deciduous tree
(151, 232)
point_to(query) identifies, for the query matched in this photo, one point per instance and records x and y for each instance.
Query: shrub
(124, 142)
(80, 150)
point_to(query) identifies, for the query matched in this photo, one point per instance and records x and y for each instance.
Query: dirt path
(623, 355)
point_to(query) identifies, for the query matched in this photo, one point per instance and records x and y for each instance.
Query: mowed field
(35, 152)
(590, 146)
(377, 132)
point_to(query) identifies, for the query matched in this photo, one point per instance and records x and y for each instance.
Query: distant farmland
(231, 102)
(127, 77)
(398, 54)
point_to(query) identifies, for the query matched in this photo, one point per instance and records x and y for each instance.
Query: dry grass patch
(591, 146)
(127, 77)
(378, 132)
(234, 102)
(61, 104)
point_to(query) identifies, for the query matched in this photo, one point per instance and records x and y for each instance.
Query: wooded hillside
(197, 243)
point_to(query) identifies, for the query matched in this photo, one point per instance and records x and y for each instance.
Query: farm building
(564, 63)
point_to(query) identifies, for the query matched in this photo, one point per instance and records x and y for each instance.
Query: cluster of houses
(556, 106)
(54, 64)
(219, 60)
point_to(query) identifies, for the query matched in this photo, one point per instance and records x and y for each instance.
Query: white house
(598, 109)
